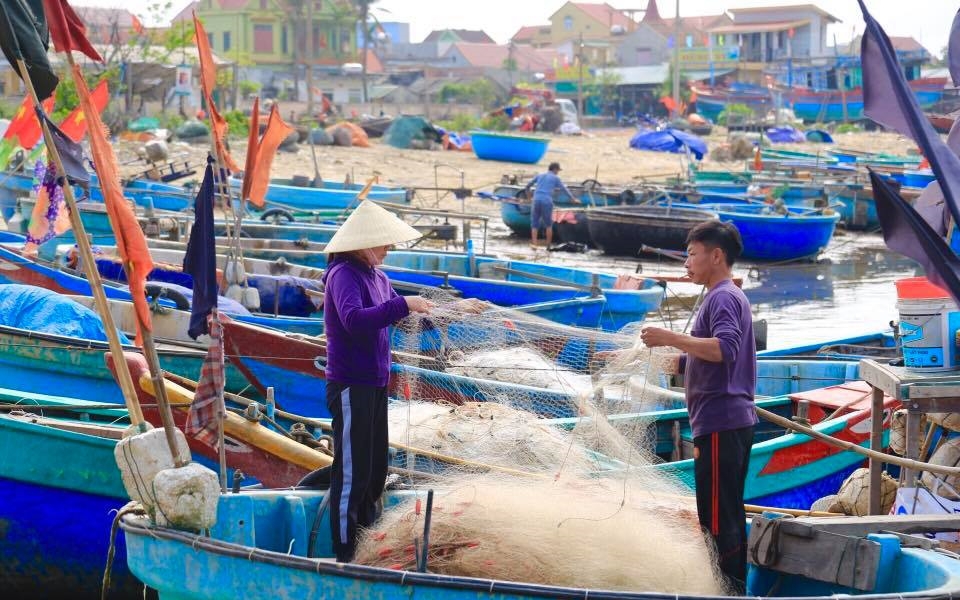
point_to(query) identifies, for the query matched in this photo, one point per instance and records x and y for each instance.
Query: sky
(928, 21)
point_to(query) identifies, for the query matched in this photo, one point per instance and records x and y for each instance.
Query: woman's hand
(418, 304)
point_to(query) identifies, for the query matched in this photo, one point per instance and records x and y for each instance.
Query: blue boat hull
(521, 149)
(780, 237)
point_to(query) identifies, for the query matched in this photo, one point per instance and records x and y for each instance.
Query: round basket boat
(510, 148)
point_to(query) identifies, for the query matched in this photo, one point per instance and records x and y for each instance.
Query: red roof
(906, 44)
(525, 33)
(606, 14)
(494, 56)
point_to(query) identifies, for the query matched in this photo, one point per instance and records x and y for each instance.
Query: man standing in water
(541, 211)
(719, 365)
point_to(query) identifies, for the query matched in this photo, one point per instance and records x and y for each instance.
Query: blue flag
(888, 100)
(200, 260)
(905, 231)
(953, 50)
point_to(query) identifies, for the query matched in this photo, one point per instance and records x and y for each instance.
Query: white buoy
(141, 457)
(187, 497)
(251, 298)
(235, 293)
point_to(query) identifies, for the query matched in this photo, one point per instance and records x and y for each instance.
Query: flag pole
(93, 275)
(146, 335)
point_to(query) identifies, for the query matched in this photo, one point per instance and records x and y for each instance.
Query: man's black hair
(554, 166)
(717, 234)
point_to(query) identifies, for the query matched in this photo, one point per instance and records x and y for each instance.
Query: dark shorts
(541, 214)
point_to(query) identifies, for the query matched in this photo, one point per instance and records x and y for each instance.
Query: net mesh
(543, 439)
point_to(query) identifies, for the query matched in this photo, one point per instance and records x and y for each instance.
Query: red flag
(24, 126)
(75, 125)
(131, 245)
(276, 132)
(207, 407)
(136, 24)
(253, 143)
(208, 81)
(67, 30)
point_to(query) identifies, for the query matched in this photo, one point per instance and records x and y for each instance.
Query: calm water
(849, 291)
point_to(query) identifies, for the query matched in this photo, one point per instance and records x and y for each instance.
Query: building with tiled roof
(470, 36)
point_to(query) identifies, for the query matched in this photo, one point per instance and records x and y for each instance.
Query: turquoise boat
(285, 193)
(270, 544)
(488, 145)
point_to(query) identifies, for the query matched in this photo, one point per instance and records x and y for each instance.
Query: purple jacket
(720, 395)
(359, 305)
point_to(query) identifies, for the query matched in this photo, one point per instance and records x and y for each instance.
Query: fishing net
(543, 442)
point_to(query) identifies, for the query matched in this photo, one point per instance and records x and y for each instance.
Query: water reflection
(849, 292)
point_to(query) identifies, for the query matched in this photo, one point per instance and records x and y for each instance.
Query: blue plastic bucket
(928, 333)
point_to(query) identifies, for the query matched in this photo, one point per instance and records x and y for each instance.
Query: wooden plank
(861, 526)
(794, 548)
(880, 376)
(876, 443)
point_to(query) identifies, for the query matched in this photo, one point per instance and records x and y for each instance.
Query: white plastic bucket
(928, 333)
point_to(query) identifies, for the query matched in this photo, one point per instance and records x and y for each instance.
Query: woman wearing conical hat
(359, 306)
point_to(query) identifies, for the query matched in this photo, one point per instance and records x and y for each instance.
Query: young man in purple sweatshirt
(719, 365)
(359, 306)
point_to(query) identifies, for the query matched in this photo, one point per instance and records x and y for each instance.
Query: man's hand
(470, 305)
(654, 337)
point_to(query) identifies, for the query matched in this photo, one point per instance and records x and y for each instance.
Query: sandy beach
(603, 155)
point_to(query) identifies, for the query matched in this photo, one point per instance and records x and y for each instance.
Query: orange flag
(75, 125)
(131, 245)
(276, 132)
(208, 81)
(24, 126)
(253, 142)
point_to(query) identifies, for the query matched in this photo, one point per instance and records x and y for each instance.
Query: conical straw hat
(370, 226)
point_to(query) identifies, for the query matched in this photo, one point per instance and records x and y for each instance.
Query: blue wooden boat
(503, 282)
(17, 268)
(284, 193)
(97, 223)
(768, 235)
(262, 547)
(488, 145)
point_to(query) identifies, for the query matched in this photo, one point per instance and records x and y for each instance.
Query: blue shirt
(546, 185)
(720, 394)
(359, 306)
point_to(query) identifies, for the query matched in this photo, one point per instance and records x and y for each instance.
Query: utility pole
(309, 61)
(676, 63)
(580, 77)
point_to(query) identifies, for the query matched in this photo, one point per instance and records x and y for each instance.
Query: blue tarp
(818, 135)
(42, 310)
(669, 140)
(285, 293)
(784, 135)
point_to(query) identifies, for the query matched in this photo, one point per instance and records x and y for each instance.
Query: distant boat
(506, 147)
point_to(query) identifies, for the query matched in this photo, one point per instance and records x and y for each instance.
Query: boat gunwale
(139, 525)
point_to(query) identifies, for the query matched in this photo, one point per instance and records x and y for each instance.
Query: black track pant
(720, 469)
(359, 462)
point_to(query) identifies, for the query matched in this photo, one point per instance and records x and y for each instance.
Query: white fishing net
(542, 440)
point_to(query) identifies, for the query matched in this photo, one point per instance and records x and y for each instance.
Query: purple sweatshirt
(359, 305)
(720, 394)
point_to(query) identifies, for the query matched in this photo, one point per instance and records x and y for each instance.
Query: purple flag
(888, 100)
(71, 153)
(906, 232)
(200, 260)
(953, 50)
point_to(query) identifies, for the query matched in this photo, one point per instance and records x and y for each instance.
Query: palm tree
(363, 15)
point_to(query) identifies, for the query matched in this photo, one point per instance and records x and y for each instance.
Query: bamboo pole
(93, 276)
(907, 463)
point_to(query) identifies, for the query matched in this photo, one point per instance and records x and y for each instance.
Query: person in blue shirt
(544, 187)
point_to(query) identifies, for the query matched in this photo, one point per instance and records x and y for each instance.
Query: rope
(129, 508)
